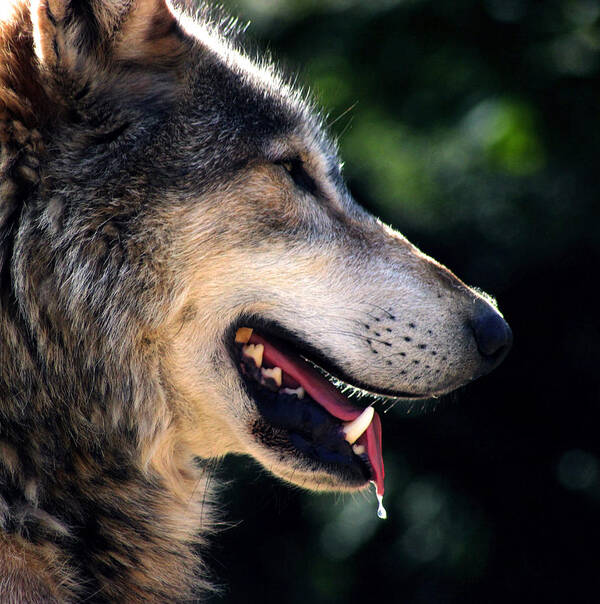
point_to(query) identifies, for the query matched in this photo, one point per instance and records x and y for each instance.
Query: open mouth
(318, 421)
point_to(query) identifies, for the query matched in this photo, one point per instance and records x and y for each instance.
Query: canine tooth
(274, 374)
(242, 335)
(299, 392)
(254, 352)
(358, 449)
(353, 430)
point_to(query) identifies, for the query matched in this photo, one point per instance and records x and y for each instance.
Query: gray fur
(143, 212)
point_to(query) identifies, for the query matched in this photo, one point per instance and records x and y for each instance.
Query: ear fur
(108, 63)
(72, 36)
(96, 61)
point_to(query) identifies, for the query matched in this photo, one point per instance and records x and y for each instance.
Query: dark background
(473, 127)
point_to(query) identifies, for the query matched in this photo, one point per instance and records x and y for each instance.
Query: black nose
(492, 333)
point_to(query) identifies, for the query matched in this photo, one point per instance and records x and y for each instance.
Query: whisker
(358, 336)
(346, 127)
(383, 310)
(345, 112)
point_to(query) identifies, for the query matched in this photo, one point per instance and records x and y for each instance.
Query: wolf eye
(302, 179)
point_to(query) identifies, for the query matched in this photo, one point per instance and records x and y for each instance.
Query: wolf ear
(72, 36)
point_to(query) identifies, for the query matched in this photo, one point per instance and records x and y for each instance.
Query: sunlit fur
(143, 211)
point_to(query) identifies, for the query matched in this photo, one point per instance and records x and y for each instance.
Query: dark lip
(288, 339)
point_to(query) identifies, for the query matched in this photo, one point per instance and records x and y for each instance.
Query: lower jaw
(292, 465)
(330, 464)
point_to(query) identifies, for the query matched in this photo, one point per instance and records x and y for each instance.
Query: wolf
(183, 275)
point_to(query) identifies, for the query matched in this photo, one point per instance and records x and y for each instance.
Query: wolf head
(162, 191)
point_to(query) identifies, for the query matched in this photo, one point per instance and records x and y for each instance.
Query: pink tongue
(331, 399)
(371, 441)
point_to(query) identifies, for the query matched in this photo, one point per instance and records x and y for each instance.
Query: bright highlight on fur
(183, 274)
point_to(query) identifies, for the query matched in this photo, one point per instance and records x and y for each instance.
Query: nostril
(492, 333)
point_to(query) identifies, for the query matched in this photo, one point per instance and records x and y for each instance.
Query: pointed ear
(72, 35)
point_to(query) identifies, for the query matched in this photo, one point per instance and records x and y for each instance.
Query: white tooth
(358, 449)
(299, 392)
(274, 374)
(242, 335)
(255, 352)
(354, 429)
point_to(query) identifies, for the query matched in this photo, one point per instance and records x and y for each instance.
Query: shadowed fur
(158, 190)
